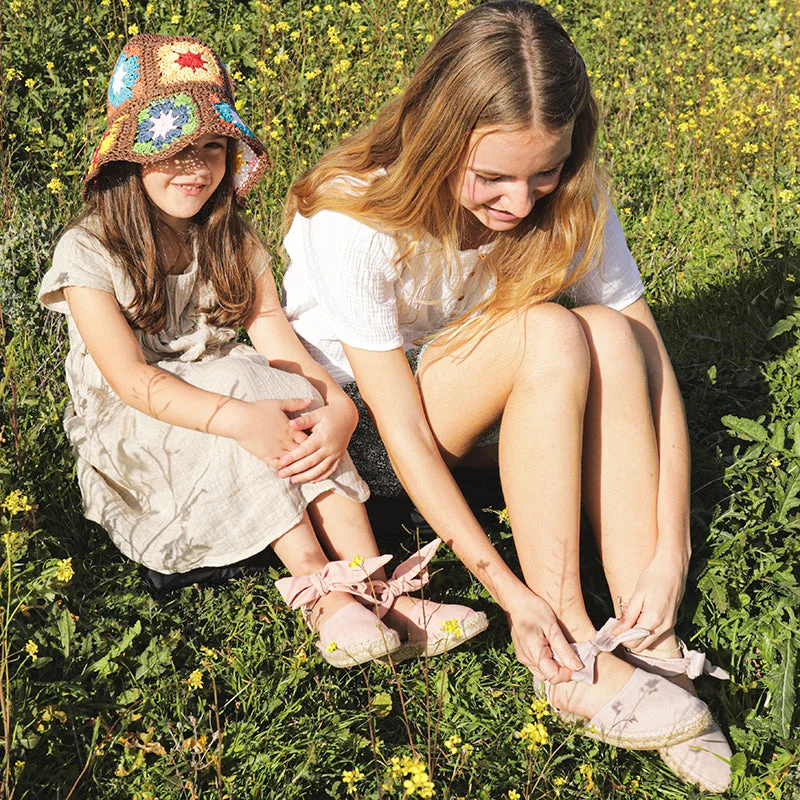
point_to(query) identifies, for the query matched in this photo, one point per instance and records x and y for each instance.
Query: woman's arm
(262, 428)
(391, 394)
(673, 548)
(330, 426)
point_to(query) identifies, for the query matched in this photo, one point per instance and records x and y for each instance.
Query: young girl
(178, 429)
(457, 219)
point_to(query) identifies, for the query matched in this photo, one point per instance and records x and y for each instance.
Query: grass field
(106, 692)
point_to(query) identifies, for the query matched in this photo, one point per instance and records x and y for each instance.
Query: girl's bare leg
(534, 372)
(302, 554)
(343, 529)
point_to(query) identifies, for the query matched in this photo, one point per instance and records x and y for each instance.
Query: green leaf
(381, 704)
(784, 326)
(738, 763)
(128, 696)
(787, 496)
(785, 690)
(747, 429)
(778, 439)
(66, 630)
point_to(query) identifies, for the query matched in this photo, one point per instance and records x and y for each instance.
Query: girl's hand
(654, 602)
(263, 429)
(537, 636)
(330, 428)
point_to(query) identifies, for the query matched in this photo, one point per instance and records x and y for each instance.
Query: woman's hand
(263, 428)
(329, 430)
(537, 636)
(654, 602)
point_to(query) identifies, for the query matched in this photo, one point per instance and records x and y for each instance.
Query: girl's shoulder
(79, 259)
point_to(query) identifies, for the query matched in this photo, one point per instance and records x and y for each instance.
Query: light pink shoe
(647, 713)
(433, 628)
(353, 634)
(705, 759)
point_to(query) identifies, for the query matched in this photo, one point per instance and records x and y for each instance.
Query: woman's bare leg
(534, 372)
(620, 466)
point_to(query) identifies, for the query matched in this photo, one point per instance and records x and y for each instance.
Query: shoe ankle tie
(340, 576)
(693, 664)
(603, 642)
(335, 576)
(410, 576)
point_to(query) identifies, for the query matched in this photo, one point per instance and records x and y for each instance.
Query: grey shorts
(367, 450)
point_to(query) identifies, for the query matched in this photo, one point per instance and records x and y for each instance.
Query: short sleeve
(258, 259)
(351, 268)
(78, 260)
(615, 281)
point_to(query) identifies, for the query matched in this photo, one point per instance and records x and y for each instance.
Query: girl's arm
(330, 426)
(261, 428)
(390, 392)
(659, 590)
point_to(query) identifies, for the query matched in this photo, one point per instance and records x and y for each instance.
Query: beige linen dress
(172, 498)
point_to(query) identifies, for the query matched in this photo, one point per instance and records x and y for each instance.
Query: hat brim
(161, 126)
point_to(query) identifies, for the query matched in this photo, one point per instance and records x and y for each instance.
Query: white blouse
(342, 286)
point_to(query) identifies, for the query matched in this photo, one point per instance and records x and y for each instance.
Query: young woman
(428, 255)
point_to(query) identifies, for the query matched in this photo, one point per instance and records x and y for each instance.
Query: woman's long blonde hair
(506, 64)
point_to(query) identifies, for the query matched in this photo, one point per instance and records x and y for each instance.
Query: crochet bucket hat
(165, 92)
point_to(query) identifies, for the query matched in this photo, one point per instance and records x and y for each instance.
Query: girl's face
(180, 185)
(507, 171)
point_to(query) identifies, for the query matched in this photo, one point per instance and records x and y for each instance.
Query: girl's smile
(507, 171)
(180, 185)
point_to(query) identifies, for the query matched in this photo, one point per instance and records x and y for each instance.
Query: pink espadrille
(354, 634)
(648, 712)
(705, 759)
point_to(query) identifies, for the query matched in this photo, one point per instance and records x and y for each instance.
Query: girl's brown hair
(504, 65)
(126, 222)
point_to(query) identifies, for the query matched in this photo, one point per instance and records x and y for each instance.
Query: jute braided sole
(473, 625)
(376, 649)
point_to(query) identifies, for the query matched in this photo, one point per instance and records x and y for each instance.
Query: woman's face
(507, 171)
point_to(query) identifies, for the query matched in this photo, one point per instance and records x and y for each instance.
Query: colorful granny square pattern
(164, 120)
(109, 137)
(187, 61)
(227, 113)
(244, 164)
(123, 81)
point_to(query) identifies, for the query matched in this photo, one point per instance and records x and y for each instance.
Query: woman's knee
(610, 336)
(554, 344)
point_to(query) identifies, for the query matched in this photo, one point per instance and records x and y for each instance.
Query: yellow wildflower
(513, 794)
(534, 734)
(16, 503)
(195, 680)
(332, 647)
(452, 743)
(133, 30)
(32, 649)
(356, 561)
(55, 186)
(452, 628)
(64, 571)
(350, 777)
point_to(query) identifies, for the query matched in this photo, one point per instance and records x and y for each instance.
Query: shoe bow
(342, 576)
(603, 642)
